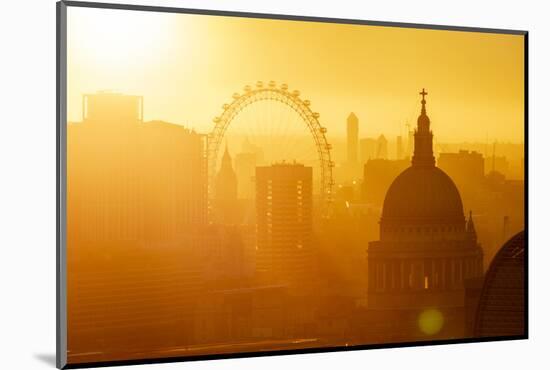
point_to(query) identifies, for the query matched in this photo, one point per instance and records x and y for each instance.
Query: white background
(27, 182)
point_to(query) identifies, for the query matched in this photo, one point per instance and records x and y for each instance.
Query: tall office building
(353, 137)
(146, 181)
(284, 223)
(136, 205)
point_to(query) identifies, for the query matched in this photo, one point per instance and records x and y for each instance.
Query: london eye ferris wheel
(282, 125)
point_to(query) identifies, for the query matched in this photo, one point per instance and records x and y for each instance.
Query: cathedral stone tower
(426, 249)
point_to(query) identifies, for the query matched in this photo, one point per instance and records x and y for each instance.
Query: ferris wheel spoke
(293, 143)
(287, 124)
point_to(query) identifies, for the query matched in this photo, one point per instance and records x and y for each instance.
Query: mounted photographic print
(235, 184)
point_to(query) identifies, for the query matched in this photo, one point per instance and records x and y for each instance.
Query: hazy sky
(188, 66)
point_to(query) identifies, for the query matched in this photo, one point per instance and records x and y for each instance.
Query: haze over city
(189, 65)
(240, 185)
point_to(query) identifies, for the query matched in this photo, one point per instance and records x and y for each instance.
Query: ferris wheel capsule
(259, 84)
(296, 93)
(247, 88)
(236, 96)
(284, 87)
(272, 84)
(316, 115)
(225, 106)
(216, 120)
(307, 103)
(323, 130)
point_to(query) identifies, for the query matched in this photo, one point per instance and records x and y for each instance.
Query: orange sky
(188, 66)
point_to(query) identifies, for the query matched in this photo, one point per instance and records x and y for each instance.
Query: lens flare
(431, 321)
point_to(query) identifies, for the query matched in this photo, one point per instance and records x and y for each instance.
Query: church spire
(423, 138)
(226, 159)
(226, 179)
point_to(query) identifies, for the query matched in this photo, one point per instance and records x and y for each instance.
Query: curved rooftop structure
(501, 308)
(423, 193)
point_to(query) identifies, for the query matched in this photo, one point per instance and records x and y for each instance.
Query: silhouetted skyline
(268, 184)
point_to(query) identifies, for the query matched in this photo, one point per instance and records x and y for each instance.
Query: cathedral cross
(423, 93)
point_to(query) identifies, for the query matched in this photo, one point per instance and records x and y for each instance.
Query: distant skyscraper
(382, 147)
(368, 149)
(399, 148)
(353, 137)
(284, 216)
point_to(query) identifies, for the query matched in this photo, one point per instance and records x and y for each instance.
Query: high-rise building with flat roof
(284, 223)
(137, 208)
(145, 181)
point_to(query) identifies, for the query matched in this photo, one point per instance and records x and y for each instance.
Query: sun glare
(118, 39)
